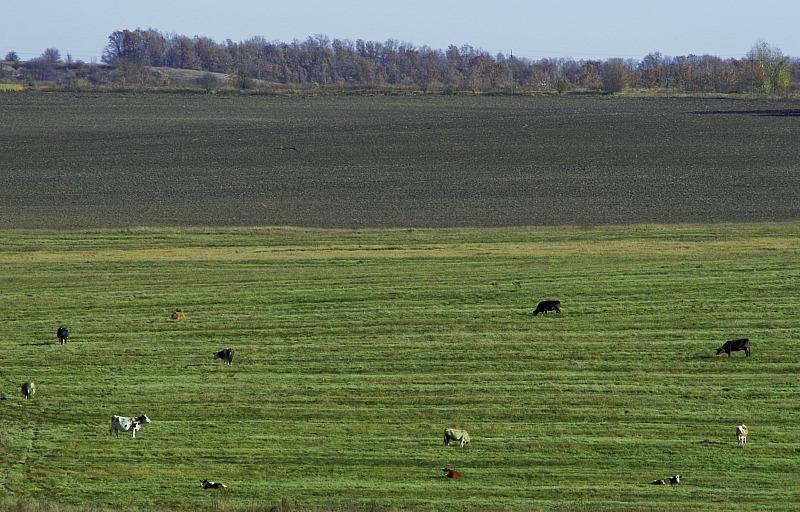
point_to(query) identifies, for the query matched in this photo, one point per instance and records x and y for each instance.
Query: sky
(581, 29)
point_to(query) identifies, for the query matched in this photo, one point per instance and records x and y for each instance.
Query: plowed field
(119, 160)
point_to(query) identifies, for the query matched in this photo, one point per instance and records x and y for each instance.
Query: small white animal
(741, 434)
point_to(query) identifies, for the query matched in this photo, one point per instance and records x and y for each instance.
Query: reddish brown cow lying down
(451, 473)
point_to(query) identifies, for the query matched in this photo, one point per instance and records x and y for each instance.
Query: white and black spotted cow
(123, 424)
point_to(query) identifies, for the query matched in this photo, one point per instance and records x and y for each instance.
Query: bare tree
(51, 56)
(614, 76)
(322, 61)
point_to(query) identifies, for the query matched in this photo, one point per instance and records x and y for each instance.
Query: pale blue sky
(534, 29)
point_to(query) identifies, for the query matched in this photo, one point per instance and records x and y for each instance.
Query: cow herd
(451, 435)
(122, 423)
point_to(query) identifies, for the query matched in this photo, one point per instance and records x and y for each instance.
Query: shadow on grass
(788, 112)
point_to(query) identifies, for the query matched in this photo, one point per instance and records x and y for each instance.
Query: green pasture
(355, 349)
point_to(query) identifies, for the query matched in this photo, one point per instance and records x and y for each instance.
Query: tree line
(321, 61)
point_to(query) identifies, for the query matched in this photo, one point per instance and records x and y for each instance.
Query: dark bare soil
(120, 160)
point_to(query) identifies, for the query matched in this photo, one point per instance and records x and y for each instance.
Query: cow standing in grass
(123, 424)
(28, 390)
(454, 434)
(741, 434)
(547, 305)
(62, 333)
(226, 354)
(735, 346)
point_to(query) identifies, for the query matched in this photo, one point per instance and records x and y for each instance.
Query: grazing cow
(673, 481)
(735, 346)
(178, 314)
(207, 484)
(547, 305)
(121, 423)
(62, 333)
(28, 390)
(454, 434)
(226, 354)
(741, 434)
(451, 473)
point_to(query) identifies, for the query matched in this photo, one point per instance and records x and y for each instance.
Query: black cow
(673, 481)
(547, 305)
(207, 484)
(735, 346)
(28, 390)
(62, 333)
(226, 355)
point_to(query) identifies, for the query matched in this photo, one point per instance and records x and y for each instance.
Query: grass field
(356, 348)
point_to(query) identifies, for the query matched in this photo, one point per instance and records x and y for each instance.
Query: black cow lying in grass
(62, 333)
(673, 480)
(547, 305)
(735, 346)
(207, 484)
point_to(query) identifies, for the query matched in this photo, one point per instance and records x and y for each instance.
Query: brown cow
(451, 473)
(735, 346)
